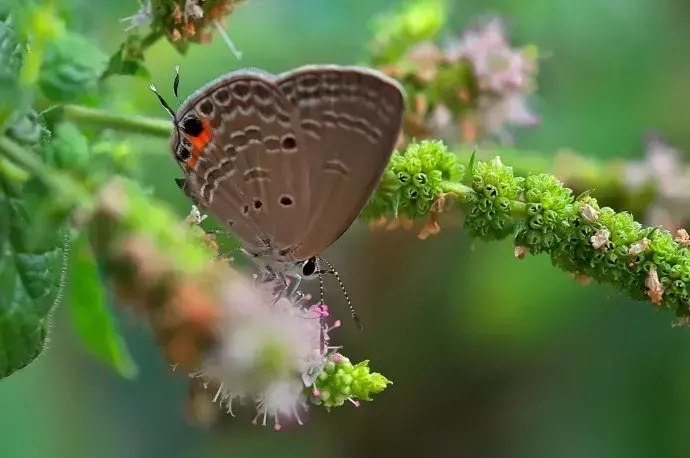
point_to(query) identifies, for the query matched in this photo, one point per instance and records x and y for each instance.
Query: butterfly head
(191, 133)
(282, 261)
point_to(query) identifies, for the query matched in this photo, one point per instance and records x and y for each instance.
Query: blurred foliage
(530, 355)
(93, 320)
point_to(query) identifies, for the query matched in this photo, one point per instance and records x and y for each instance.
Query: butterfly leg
(292, 291)
(332, 271)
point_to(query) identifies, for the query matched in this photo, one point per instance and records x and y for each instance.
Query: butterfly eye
(191, 125)
(309, 267)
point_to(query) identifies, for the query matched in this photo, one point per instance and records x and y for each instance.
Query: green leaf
(31, 280)
(27, 130)
(69, 149)
(71, 68)
(14, 98)
(470, 167)
(93, 321)
(129, 59)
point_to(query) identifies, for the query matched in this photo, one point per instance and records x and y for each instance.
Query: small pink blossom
(600, 238)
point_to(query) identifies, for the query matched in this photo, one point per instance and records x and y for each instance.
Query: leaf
(470, 167)
(584, 194)
(71, 68)
(93, 321)
(14, 99)
(69, 148)
(27, 130)
(128, 60)
(31, 280)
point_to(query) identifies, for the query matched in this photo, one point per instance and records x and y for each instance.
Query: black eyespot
(289, 143)
(258, 204)
(245, 209)
(191, 125)
(286, 201)
(183, 154)
(309, 267)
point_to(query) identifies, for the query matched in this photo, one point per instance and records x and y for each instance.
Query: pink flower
(505, 76)
(270, 350)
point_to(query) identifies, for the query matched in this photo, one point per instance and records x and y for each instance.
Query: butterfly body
(287, 162)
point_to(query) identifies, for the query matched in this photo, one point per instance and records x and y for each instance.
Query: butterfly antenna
(162, 101)
(176, 84)
(322, 289)
(334, 272)
(322, 321)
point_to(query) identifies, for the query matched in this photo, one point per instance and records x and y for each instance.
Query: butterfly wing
(252, 175)
(351, 119)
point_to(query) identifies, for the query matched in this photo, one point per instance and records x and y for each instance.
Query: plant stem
(62, 185)
(606, 177)
(24, 159)
(123, 123)
(150, 40)
(518, 208)
(457, 188)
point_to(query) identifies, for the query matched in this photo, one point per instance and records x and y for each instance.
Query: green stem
(607, 178)
(150, 39)
(63, 186)
(25, 159)
(459, 189)
(518, 208)
(124, 123)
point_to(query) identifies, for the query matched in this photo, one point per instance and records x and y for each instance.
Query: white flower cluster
(664, 168)
(270, 351)
(505, 76)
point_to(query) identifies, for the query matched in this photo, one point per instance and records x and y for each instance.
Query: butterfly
(287, 162)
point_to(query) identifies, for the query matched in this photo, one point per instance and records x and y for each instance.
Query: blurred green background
(491, 357)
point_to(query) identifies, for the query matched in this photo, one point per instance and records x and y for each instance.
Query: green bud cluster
(543, 217)
(414, 180)
(547, 206)
(496, 189)
(580, 236)
(342, 381)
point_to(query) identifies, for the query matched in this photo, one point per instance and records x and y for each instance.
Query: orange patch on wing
(199, 142)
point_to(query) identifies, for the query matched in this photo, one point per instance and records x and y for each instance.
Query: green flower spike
(491, 217)
(414, 180)
(547, 204)
(342, 381)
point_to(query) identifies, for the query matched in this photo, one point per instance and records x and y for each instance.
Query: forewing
(351, 118)
(251, 175)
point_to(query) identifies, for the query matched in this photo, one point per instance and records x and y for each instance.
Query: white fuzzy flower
(143, 18)
(497, 66)
(192, 10)
(498, 113)
(663, 167)
(505, 77)
(195, 215)
(268, 350)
